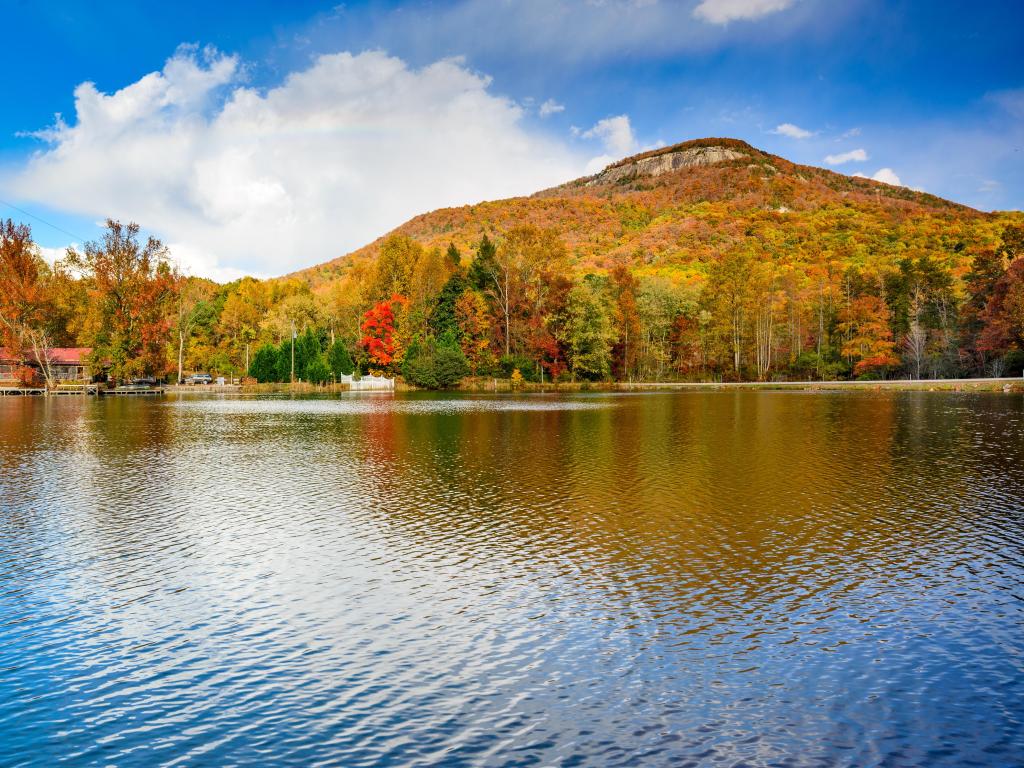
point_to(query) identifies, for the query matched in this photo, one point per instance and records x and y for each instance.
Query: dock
(6, 391)
(130, 390)
(75, 389)
(80, 390)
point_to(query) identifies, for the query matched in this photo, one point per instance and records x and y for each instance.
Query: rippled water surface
(720, 578)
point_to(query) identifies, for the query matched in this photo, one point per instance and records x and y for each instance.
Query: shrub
(317, 370)
(449, 366)
(433, 365)
(527, 368)
(1013, 362)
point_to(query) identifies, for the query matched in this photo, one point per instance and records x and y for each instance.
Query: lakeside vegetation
(724, 273)
(514, 309)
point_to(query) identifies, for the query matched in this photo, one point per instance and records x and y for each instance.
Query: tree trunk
(181, 354)
(41, 354)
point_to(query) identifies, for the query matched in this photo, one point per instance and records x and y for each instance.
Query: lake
(699, 578)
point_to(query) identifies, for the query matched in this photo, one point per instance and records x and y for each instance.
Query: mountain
(670, 207)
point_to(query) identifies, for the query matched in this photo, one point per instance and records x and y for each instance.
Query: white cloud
(616, 135)
(724, 11)
(53, 255)
(887, 175)
(551, 107)
(239, 180)
(792, 131)
(858, 155)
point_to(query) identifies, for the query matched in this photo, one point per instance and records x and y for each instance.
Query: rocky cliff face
(655, 165)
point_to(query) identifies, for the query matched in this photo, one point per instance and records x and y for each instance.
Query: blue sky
(263, 137)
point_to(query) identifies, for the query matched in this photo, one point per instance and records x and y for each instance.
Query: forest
(517, 304)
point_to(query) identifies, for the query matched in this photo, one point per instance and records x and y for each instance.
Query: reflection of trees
(682, 504)
(734, 498)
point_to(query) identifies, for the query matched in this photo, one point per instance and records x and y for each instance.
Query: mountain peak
(686, 154)
(668, 206)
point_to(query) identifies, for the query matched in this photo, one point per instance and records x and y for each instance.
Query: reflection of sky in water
(464, 580)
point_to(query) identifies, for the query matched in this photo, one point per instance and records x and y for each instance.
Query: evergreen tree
(339, 360)
(284, 361)
(444, 318)
(264, 366)
(484, 264)
(317, 370)
(307, 351)
(454, 257)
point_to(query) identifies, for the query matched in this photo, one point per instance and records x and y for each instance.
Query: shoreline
(503, 386)
(1007, 385)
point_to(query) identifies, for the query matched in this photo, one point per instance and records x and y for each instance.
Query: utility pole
(293, 351)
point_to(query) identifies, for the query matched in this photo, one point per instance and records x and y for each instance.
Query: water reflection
(698, 578)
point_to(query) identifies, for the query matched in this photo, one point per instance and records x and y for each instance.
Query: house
(68, 365)
(9, 364)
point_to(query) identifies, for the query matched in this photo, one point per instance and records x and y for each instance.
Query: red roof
(57, 355)
(68, 355)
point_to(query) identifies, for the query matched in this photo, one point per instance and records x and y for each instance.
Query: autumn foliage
(378, 329)
(752, 268)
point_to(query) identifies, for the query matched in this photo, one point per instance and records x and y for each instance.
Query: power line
(44, 221)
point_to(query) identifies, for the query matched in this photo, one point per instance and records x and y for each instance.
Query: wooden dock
(6, 391)
(75, 389)
(80, 390)
(130, 390)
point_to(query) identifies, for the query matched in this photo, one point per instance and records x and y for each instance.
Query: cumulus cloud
(854, 155)
(239, 180)
(792, 131)
(887, 175)
(551, 107)
(53, 255)
(617, 138)
(616, 133)
(724, 11)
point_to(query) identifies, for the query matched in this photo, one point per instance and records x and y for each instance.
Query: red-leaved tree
(378, 329)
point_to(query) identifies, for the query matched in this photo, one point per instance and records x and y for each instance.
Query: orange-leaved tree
(132, 288)
(25, 303)
(869, 344)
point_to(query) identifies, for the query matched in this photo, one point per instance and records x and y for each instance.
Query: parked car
(143, 381)
(199, 378)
